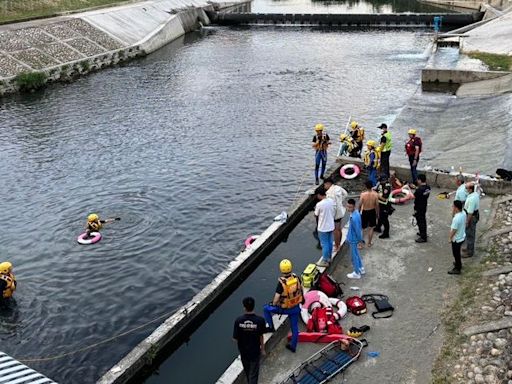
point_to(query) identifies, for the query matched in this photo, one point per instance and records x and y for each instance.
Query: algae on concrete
(494, 61)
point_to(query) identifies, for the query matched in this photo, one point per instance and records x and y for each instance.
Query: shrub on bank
(29, 81)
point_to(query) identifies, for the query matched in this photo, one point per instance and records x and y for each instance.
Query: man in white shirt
(338, 195)
(324, 212)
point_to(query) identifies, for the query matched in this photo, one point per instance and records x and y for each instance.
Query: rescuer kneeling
(7, 281)
(286, 301)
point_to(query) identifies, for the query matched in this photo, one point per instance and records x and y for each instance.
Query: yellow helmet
(411, 131)
(319, 127)
(343, 137)
(371, 143)
(5, 267)
(93, 217)
(354, 125)
(285, 266)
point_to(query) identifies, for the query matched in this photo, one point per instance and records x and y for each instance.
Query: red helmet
(356, 305)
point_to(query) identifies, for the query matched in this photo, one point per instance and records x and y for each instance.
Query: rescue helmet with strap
(5, 267)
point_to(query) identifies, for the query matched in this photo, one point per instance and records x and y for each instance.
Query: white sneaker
(354, 275)
(362, 271)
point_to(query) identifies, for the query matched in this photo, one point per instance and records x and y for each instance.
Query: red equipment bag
(356, 305)
(328, 285)
(318, 320)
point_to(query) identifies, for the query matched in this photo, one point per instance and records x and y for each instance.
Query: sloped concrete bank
(63, 48)
(187, 318)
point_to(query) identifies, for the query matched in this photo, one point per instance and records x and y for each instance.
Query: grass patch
(29, 81)
(493, 61)
(453, 318)
(16, 10)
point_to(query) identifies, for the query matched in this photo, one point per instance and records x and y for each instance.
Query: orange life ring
(401, 195)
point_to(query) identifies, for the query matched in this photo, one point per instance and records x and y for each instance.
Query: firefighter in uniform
(358, 136)
(321, 142)
(287, 300)
(7, 281)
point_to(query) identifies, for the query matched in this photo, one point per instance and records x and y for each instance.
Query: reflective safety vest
(292, 291)
(388, 144)
(358, 135)
(94, 226)
(368, 160)
(322, 142)
(11, 285)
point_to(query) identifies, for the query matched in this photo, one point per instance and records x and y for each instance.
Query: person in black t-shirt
(421, 195)
(248, 333)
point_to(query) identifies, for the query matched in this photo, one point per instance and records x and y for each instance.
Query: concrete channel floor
(408, 342)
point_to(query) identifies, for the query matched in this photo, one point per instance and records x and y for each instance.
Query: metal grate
(13, 372)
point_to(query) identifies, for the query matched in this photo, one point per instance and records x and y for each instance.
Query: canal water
(194, 147)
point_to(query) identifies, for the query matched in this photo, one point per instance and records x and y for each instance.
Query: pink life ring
(354, 171)
(251, 239)
(406, 193)
(95, 237)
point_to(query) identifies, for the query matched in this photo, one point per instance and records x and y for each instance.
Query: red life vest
(412, 143)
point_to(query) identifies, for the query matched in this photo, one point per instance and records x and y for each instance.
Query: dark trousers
(251, 369)
(384, 163)
(421, 219)
(471, 236)
(414, 172)
(456, 254)
(383, 219)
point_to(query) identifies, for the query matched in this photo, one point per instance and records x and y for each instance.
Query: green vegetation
(16, 10)
(461, 313)
(493, 61)
(29, 81)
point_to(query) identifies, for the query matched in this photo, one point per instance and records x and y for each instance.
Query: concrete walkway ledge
(189, 316)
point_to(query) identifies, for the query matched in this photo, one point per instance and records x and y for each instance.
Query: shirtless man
(368, 203)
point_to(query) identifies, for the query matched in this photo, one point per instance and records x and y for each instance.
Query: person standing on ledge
(7, 282)
(413, 150)
(385, 208)
(368, 206)
(248, 333)
(338, 195)
(287, 300)
(354, 238)
(371, 161)
(471, 207)
(462, 193)
(321, 142)
(325, 211)
(358, 136)
(385, 149)
(421, 195)
(457, 235)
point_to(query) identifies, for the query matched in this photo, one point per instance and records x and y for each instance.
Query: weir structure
(350, 20)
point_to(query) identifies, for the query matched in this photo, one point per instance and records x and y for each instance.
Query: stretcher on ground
(328, 362)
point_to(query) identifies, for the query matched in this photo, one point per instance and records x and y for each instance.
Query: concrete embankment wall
(456, 76)
(63, 48)
(442, 179)
(180, 325)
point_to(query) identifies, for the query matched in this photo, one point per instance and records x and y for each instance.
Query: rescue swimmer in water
(7, 282)
(92, 228)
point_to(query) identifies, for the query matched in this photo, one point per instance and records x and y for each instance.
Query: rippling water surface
(194, 147)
